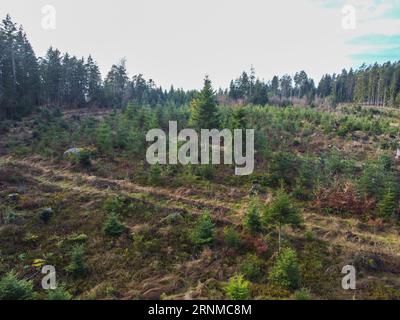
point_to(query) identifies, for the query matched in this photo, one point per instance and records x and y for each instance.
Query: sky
(180, 41)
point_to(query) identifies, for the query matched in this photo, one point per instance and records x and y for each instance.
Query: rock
(72, 151)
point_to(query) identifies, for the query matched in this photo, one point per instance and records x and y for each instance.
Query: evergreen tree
(52, 74)
(94, 83)
(203, 109)
(238, 288)
(116, 84)
(387, 206)
(11, 288)
(204, 231)
(281, 212)
(286, 271)
(252, 220)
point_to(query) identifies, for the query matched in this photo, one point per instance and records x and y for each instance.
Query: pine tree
(115, 84)
(112, 226)
(252, 220)
(238, 288)
(286, 271)
(204, 232)
(387, 206)
(52, 74)
(94, 82)
(203, 109)
(281, 212)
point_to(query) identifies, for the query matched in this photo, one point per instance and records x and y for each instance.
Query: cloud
(377, 34)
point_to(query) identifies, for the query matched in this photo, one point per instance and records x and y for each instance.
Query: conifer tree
(281, 212)
(203, 109)
(387, 206)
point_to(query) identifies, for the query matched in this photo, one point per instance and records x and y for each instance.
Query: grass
(156, 258)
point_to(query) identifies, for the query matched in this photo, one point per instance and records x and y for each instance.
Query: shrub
(80, 156)
(252, 220)
(119, 205)
(155, 174)
(286, 271)
(10, 216)
(84, 158)
(46, 215)
(11, 288)
(305, 181)
(77, 265)
(238, 288)
(283, 165)
(252, 267)
(376, 178)
(112, 226)
(387, 206)
(204, 232)
(232, 238)
(342, 199)
(59, 294)
(206, 172)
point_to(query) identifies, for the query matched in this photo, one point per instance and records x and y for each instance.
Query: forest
(62, 79)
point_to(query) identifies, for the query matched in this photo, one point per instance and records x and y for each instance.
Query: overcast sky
(179, 41)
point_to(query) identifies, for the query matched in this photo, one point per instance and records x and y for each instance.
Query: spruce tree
(203, 109)
(387, 206)
(281, 212)
(252, 220)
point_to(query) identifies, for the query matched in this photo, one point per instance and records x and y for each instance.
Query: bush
(286, 272)
(77, 265)
(112, 226)
(232, 238)
(238, 288)
(252, 267)
(13, 289)
(46, 215)
(119, 205)
(252, 220)
(10, 216)
(204, 231)
(80, 156)
(305, 180)
(84, 158)
(283, 165)
(59, 294)
(155, 175)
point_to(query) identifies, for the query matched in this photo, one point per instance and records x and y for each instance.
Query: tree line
(377, 85)
(64, 80)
